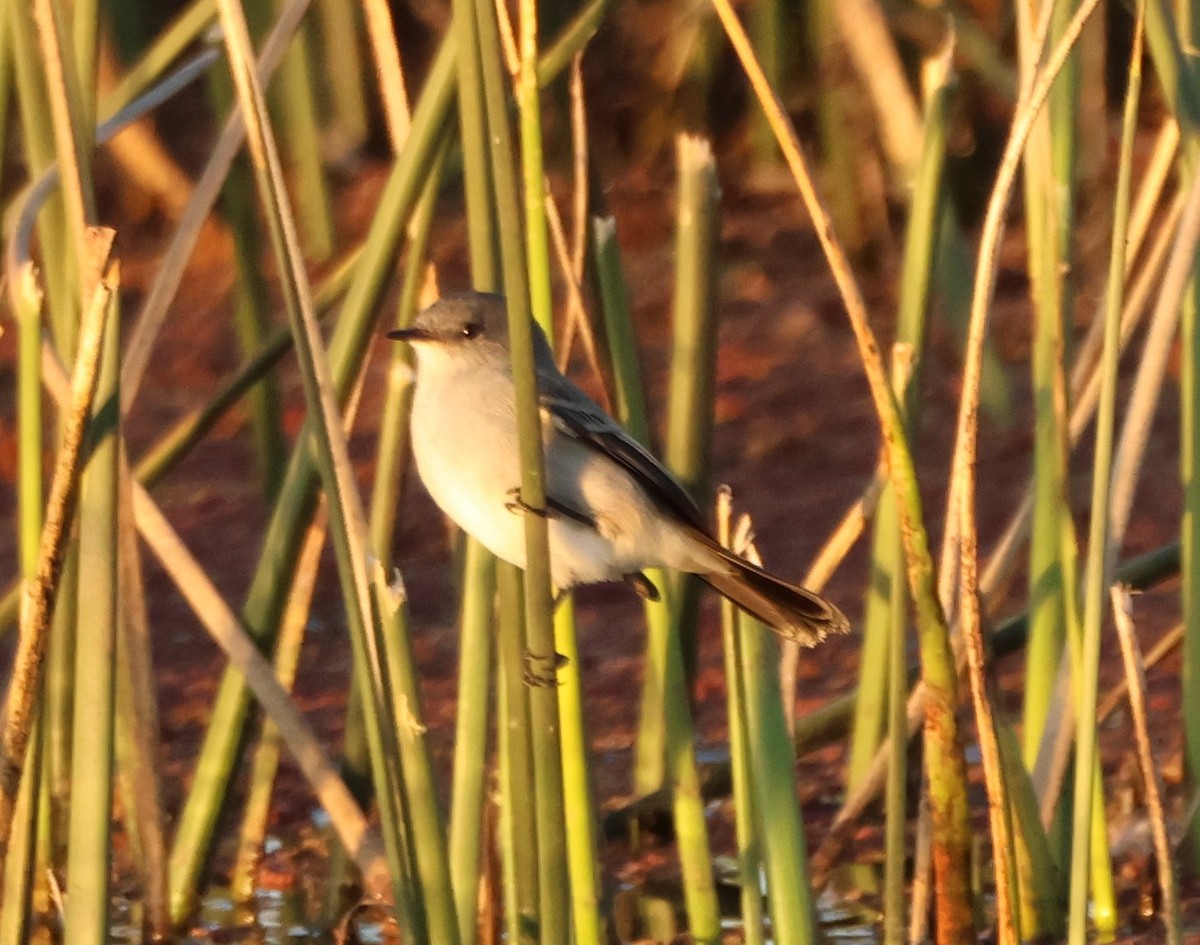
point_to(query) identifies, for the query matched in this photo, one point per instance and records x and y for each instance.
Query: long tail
(789, 610)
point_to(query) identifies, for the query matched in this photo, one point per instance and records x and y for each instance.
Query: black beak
(410, 335)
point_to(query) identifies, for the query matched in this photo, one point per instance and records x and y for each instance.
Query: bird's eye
(471, 329)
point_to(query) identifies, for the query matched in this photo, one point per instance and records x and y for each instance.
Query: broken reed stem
(39, 594)
(1135, 678)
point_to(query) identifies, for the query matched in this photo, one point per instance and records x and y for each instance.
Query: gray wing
(577, 415)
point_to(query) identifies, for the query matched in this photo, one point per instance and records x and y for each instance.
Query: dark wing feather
(579, 416)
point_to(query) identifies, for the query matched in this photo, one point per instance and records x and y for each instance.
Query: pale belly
(469, 467)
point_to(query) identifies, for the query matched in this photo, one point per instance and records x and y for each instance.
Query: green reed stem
(579, 811)
(1049, 201)
(89, 840)
(37, 136)
(522, 266)
(341, 60)
(1087, 781)
(21, 861)
(747, 817)
(630, 408)
(293, 102)
(693, 351)
(518, 825)
(773, 762)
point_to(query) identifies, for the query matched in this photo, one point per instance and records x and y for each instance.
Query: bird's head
(466, 319)
(463, 326)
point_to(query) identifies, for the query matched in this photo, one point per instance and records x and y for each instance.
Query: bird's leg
(642, 586)
(543, 670)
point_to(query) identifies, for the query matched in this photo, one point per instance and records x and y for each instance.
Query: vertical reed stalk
(773, 760)
(16, 905)
(747, 817)
(342, 68)
(1048, 201)
(89, 840)
(1086, 758)
(630, 409)
(526, 272)
(294, 103)
(518, 824)
(580, 819)
(693, 351)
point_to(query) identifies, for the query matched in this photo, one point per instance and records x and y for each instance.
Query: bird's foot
(542, 671)
(642, 586)
(519, 506)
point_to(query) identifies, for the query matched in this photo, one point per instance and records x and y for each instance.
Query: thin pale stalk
(1135, 675)
(92, 757)
(473, 132)
(887, 553)
(691, 828)
(1098, 571)
(919, 264)
(85, 29)
(22, 852)
(382, 34)
(868, 41)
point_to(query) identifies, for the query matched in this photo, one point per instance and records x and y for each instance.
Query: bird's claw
(642, 586)
(542, 671)
(519, 506)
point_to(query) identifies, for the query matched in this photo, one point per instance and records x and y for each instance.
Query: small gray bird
(612, 509)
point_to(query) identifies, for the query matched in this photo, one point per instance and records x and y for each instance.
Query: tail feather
(791, 611)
